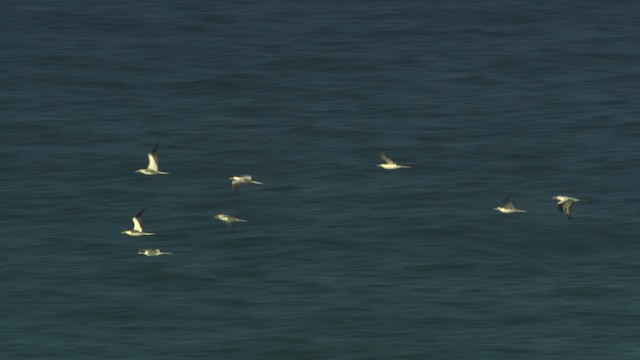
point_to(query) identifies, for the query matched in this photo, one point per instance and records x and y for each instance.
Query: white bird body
(153, 252)
(509, 211)
(152, 167)
(137, 226)
(393, 166)
(563, 198)
(506, 207)
(390, 164)
(230, 220)
(237, 181)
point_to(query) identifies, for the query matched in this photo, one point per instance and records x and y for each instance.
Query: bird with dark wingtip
(137, 226)
(506, 206)
(153, 252)
(565, 203)
(389, 164)
(237, 181)
(230, 220)
(152, 168)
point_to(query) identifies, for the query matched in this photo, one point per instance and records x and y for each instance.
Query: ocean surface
(339, 259)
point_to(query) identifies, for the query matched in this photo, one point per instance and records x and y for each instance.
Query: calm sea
(339, 259)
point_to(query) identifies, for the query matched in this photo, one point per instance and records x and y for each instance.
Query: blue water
(339, 259)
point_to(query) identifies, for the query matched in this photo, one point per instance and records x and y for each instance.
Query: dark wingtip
(155, 148)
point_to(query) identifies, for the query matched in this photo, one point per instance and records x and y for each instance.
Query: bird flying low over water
(152, 252)
(565, 203)
(137, 226)
(152, 168)
(230, 220)
(237, 181)
(390, 164)
(506, 206)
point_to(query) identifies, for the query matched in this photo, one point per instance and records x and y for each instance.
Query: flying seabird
(390, 164)
(152, 252)
(506, 206)
(236, 181)
(565, 203)
(152, 168)
(137, 226)
(230, 220)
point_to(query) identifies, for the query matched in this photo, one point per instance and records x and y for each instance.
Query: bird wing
(385, 158)
(153, 162)
(566, 207)
(154, 150)
(506, 202)
(137, 224)
(153, 158)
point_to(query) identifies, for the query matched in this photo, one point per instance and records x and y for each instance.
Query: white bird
(565, 203)
(390, 164)
(230, 220)
(506, 206)
(153, 252)
(137, 226)
(237, 181)
(152, 168)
